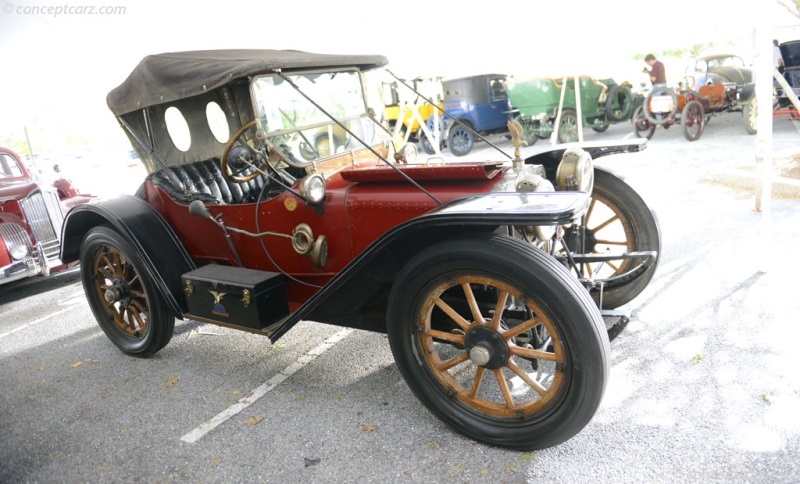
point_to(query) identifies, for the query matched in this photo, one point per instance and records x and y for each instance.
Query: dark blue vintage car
(480, 103)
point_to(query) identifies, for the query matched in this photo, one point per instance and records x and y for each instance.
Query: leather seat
(203, 180)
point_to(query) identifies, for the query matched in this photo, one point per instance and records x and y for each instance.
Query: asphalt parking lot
(704, 384)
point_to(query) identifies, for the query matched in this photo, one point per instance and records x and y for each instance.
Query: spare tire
(620, 110)
(660, 91)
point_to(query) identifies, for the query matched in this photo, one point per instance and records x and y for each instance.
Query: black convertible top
(167, 77)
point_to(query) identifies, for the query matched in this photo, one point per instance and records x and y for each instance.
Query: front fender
(156, 243)
(356, 295)
(552, 157)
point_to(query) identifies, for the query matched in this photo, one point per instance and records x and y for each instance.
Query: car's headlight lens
(576, 171)
(18, 251)
(313, 188)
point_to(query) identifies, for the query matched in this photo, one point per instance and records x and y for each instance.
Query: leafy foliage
(793, 6)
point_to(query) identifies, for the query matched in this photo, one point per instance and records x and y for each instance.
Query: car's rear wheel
(499, 341)
(750, 115)
(693, 119)
(124, 299)
(460, 140)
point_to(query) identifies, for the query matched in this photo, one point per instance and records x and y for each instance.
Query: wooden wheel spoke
(590, 209)
(137, 316)
(451, 337)
(109, 264)
(476, 382)
(600, 227)
(537, 387)
(130, 317)
(103, 272)
(457, 318)
(501, 380)
(473, 304)
(454, 362)
(138, 294)
(534, 354)
(612, 242)
(498, 311)
(521, 328)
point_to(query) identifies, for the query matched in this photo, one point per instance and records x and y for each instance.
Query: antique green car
(537, 100)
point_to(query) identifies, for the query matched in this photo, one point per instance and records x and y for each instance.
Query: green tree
(793, 6)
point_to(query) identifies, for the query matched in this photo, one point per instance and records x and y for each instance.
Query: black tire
(619, 103)
(460, 140)
(139, 322)
(551, 303)
(633, 228)
(568, 127)
(601, 129)
(641, 126)
(693, 118)
(662, 118)
(750, 115)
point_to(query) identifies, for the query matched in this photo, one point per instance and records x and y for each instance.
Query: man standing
(658, 75)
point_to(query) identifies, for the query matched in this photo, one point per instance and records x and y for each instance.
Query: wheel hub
(118, 292)
(487, 348)
(589, 240)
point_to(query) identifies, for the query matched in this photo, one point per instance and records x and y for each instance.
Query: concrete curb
(781, 186)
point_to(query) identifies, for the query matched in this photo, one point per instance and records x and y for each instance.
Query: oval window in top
(178, 128)
(217, 122)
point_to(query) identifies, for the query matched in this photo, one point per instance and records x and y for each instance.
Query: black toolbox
(236, 296)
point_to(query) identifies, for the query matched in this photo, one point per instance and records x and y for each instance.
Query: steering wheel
(244, 151)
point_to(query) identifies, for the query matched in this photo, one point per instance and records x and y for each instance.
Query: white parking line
(28, 325)
(263, 389)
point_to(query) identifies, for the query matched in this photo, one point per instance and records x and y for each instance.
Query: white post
(554, 135)
(578, 107)
(763, 92)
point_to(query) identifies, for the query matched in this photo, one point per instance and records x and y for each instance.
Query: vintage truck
(488, 277)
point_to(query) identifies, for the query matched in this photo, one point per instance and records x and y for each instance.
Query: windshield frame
(362, 113)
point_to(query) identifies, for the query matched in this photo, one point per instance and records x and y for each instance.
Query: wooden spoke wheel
(479, 361)
(124, 299)
(617, 221)
(499, 341)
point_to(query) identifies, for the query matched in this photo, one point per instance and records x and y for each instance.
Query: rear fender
(163, 253)
(357, 295)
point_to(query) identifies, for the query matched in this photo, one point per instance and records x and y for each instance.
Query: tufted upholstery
(203, 180)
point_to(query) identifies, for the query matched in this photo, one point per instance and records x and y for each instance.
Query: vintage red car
(31, 217)
(486, 276)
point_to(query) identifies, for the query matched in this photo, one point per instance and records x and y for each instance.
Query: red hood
(15, 189)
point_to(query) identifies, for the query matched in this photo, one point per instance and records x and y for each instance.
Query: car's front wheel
(124, 299)
(568, 127)
(499, 341)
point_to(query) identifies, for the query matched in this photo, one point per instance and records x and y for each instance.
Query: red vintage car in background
(31, 216)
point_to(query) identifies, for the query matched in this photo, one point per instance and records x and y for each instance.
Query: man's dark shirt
(658, 72)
